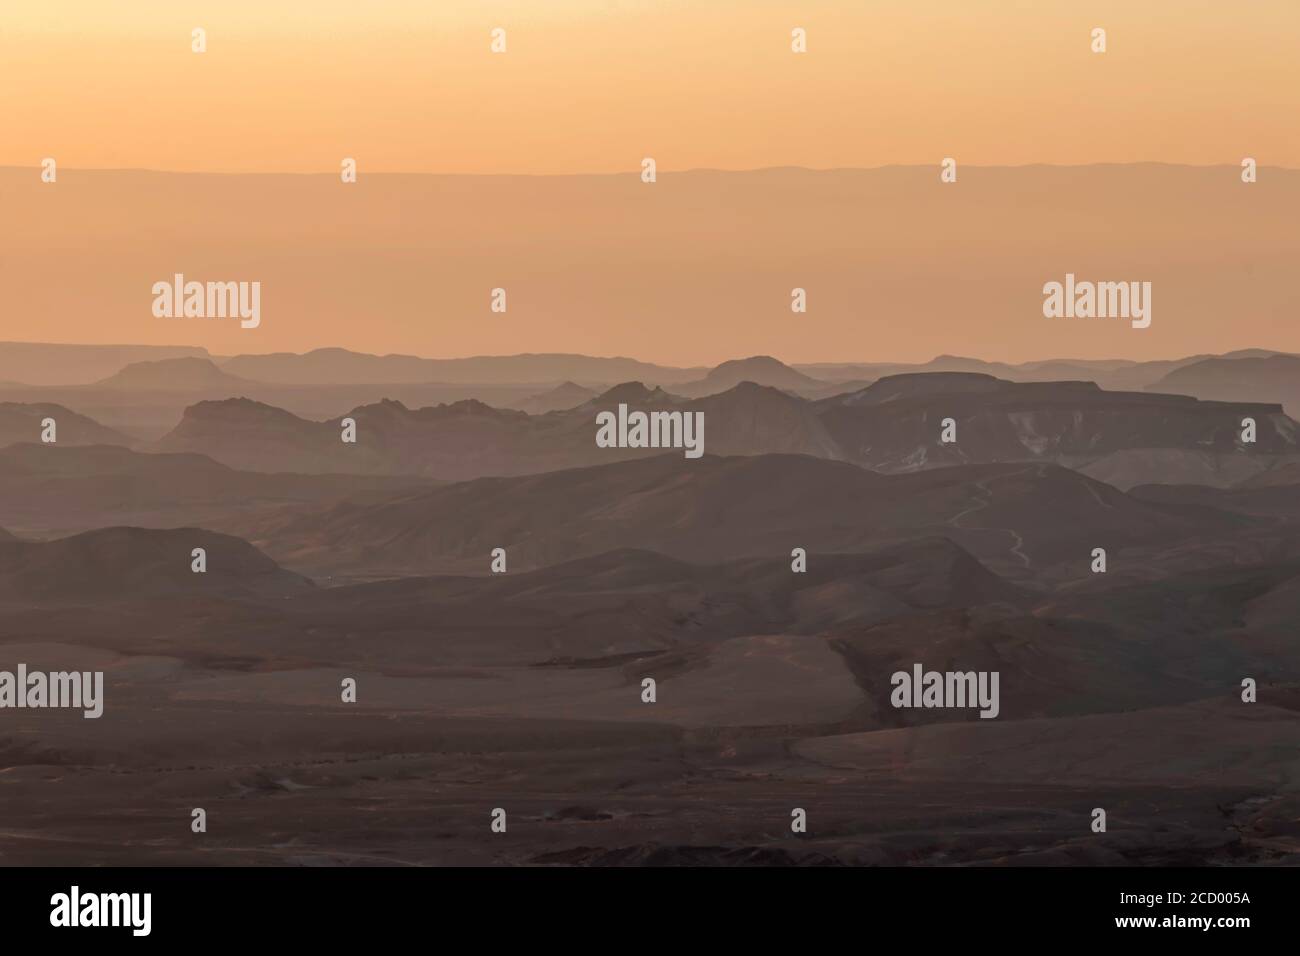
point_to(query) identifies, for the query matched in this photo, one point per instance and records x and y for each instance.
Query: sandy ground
(288, 777)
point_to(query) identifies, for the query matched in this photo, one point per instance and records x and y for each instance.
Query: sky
(696, 270)
(595, 85)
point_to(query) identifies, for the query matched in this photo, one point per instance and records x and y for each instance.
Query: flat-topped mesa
(898, 423)
(909, 384)
(190, 373)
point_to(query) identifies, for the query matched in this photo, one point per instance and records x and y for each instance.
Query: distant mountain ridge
(1017, 519)
(564, 396)
(889, 426)
(184, 374)
(1270, 377)
(470, 439)
(150, 398)
(22, 422)
(30, 363)
(335, 366)
(56, 490)
(759, 369)
(106, 564)
(47, 363)
(893, 424)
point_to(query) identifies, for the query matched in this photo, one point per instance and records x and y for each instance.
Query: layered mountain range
(892, 425)
(498, 588)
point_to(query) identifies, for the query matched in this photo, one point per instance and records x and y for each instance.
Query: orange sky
(698, 269)
(594, 85)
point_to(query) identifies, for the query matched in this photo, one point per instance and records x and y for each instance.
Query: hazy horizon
(871, 360)
(695, 268)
